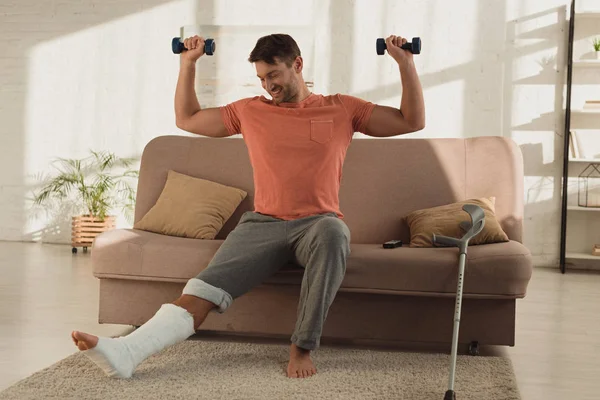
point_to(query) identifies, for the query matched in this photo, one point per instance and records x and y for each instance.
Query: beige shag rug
(231, 370)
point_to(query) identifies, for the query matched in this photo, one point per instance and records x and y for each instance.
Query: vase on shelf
(589, 187)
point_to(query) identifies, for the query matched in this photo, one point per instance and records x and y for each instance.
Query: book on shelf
(574, 149)
(584, 144)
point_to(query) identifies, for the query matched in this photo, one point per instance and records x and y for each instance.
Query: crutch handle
(477, 221)
(439, 240)
(472, 229)
(475, 212)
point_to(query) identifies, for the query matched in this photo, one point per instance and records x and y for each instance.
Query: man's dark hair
(279, 45)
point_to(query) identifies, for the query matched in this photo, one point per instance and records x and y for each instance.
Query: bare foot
(110, 354)
(83, 341)
(300, 366)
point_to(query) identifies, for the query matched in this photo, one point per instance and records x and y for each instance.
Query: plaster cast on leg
(119, 357)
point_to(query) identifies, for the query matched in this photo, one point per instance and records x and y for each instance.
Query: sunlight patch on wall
(101, 88)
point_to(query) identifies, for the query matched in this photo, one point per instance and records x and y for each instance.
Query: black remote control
(392, 244)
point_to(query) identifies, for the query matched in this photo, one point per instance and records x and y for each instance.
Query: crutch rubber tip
(450, 395)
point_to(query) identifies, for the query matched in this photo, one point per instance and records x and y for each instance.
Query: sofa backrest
(383, 179)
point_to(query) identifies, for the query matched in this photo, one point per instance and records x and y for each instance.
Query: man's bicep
(387, 121)
(206, 122)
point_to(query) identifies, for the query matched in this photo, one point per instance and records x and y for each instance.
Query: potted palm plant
(596, 44)
(96, 189)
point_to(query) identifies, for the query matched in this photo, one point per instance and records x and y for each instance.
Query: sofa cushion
(499, 269)
(445, 220)
(191, 207)
(137, 254)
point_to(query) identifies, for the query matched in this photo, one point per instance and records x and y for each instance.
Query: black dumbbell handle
(407, 46)
(178, 47)
(414, 46)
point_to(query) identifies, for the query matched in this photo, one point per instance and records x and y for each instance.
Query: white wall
(80, 74)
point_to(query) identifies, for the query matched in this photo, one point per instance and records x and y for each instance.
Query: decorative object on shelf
(97, 191)
(596, 250)
(596, 44)
(589, 186)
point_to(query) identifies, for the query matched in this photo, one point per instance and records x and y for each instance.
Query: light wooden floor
(45, 293)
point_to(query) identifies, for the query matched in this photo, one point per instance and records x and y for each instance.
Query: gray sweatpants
(260, 245)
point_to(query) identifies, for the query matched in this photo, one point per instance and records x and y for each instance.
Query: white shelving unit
(582, 256)
(587, 14)
(587, 64)
(585, 160)
(577, 208)
(586, 111)
(579, 214)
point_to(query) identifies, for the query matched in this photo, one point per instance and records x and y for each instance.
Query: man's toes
(81, 345)
(83, 340)
(75, 340)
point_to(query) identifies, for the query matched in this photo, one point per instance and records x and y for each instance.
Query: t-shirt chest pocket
(321, 131)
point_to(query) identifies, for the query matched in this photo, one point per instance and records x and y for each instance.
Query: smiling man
(297, 142)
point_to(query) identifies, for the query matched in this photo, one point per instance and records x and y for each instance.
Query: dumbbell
(178, 47)
(414, 46)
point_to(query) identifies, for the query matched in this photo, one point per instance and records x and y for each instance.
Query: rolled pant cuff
(308, 344)
(203, 290)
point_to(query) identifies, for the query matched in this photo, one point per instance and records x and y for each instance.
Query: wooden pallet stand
(85, 228)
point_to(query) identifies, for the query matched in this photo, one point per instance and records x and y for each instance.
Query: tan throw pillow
(191, 207)
(445, 220)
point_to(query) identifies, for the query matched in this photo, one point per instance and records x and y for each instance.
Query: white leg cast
(119, 357)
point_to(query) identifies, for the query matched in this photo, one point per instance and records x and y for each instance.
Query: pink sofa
(388, 296)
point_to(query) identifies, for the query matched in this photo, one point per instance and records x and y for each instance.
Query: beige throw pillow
(445, 220)
(191, 207)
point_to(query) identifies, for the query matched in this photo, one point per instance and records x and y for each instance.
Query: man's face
(279, 80)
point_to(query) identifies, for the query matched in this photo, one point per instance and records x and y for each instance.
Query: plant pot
(598, 55)
(85, 228)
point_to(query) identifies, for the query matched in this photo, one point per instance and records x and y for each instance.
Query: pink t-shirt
(297, 150)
